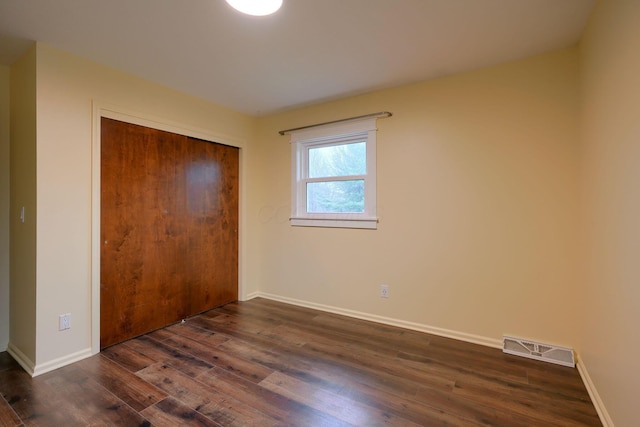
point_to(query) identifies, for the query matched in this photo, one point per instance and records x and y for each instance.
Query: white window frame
(327, 135)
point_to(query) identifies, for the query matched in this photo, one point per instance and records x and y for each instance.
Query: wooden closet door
(169, 219)
(208, 250)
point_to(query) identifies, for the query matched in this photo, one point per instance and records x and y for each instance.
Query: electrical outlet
(65, 322)
(384, 291)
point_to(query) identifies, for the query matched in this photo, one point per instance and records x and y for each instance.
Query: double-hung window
(334, 175)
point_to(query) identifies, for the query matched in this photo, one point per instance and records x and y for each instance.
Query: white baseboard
(62, 361)
(251, 295)
(22, 359)
(35, 370)
(593, 394)
(461, 336)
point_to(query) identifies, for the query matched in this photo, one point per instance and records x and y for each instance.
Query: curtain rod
(366, 116)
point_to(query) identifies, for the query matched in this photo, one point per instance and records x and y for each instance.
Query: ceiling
(310, 51)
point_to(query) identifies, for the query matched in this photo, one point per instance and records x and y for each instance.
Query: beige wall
(22, 326)
(610, 83)
(506, 198)
(4, 206)
(68, 87)
(477, 198)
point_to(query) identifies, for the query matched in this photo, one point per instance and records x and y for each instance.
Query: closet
(168, 227)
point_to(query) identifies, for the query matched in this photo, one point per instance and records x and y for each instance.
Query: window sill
(371, 224)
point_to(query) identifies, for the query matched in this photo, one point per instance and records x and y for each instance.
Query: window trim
(329, 134)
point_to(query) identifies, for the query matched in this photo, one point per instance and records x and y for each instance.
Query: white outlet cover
(384, 291)
(65, 322)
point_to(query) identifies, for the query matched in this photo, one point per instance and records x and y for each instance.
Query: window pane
(335, 197)
(338, 160)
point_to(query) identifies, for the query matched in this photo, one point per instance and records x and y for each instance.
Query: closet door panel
(210, 253)
(169, 209)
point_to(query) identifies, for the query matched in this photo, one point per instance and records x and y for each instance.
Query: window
(334, 175)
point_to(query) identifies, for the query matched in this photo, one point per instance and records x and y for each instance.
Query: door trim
(102, 109)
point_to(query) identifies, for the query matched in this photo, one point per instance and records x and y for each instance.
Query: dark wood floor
(263, 363)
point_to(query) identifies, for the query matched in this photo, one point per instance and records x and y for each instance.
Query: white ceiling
(310, 51)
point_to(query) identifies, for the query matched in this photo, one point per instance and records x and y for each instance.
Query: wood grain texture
(264, 363)
(8, 416)
(169, 228)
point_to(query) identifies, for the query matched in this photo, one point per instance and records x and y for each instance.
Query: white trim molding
(605, 418)
(27, 364)
(34, 369)
(61, 361)
(250, 296)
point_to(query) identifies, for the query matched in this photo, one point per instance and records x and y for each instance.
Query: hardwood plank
(290, 363)
(170, 412)
(282, 310)
(126, 357)
(246, 323)
(88, 401)
(287, 334)
(245, 332)
(8, 417)
(196, 395)
(125, 385)
(265, 313)
(338, 406)
(229, 414)
(215, 311)
(278, 407)
(330, 370)
(220, 358)
(308, 366)
(161, 352)
(453, 366)
(7, 362)
(563, 381)
(334, 368)
(204, 336)
(528, 403)
(387, 340)
(516, 390)
(415, 411)
(34, 400)
(176, 384)
(378, 363)
(160, 334)
(460, 406)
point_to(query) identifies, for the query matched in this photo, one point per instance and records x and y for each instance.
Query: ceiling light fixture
(256, 7)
